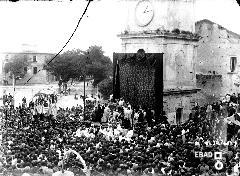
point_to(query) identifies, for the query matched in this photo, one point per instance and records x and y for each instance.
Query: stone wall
(211, 86)
(175, 101)
(214, 53)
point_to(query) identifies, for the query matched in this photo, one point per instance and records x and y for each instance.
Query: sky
(48, 25)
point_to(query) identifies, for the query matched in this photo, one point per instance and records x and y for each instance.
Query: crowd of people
(43, 99)
(122, 112)
(8, 99)
(154, 147)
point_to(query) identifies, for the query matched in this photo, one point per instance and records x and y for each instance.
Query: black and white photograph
(119, 88)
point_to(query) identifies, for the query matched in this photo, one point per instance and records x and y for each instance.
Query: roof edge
(219, 26)
(26, 53)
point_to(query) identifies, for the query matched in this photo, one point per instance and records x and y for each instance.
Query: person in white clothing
(135, 118)
(106, 114)
(121, 102)
(128, 114)
(236, 169)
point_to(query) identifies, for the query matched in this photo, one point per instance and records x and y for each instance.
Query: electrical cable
(85, 10)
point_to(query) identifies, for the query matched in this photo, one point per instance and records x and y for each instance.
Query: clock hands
(144, 13)
(146, 10)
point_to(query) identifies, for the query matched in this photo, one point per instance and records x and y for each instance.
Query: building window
(34, 58)
(34, 70)
(25, 69)
(233, 63)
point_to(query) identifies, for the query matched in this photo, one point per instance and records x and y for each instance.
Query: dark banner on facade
(138, 78)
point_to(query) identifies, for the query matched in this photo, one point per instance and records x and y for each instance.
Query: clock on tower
(151, 29)
(151, 15)
(144, 13)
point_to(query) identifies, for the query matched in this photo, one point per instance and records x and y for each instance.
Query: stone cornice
(160, 34)
(180, 91)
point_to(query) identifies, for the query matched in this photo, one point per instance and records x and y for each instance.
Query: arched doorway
(179, 113)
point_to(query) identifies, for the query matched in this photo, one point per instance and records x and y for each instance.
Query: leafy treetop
(15, 66)
(77, 63)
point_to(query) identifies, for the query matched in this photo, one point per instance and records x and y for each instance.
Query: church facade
(161, 26)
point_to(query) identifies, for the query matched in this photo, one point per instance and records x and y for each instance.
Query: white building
(34, 70)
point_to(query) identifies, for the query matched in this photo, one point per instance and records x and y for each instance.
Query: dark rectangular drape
(139, 81)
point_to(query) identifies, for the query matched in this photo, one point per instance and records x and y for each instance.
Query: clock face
(144, 13)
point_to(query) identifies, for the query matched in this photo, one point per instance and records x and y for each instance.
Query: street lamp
(97, 94)
(84, 89)
(13, 84)
(84, 94)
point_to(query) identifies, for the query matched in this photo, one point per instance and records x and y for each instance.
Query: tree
(15, 66)
(98, 65)
(67, 65)
(238, 3)
(105, 88)
(76, 63)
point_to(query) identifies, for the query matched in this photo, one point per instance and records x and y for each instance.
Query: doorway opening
(179, 113)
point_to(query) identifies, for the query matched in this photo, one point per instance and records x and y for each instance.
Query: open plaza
(165, 103)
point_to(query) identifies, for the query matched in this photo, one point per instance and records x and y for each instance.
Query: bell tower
(168, 27)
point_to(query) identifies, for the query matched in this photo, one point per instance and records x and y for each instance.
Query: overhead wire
(85, 10)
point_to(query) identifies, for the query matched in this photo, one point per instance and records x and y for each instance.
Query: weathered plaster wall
(178, 68)
(211, 87)
(179, 64)
(215, 49)
(178, 59)
(173, 102)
